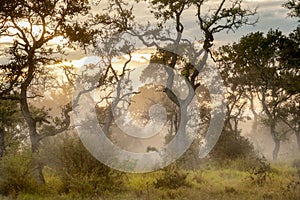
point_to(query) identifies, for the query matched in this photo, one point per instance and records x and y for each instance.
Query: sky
(271, 14)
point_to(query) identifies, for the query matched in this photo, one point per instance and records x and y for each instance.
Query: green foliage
(294, 7)
(296, 164)
(292, 188)
(8, 113)
(232, 146)
(16, 174)
(11, 123)
(261, 172)
(171, 179)
(264, 68)
(212, 183)
(78, 170)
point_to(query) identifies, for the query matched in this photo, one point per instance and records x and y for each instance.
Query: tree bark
(35, 143)
(31, 123)
(272, 119)
(275, 139)
(298, 140)
(38, 170)
(276, 149)
(255, 115)
(2, 142)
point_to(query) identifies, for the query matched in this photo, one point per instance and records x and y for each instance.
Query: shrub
(80, 172)
(261, 172)
(172, 179)
(296, 164)
(16, 173)
(232, 145)
(292, 189)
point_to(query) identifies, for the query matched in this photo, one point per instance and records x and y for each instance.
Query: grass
(206, 184)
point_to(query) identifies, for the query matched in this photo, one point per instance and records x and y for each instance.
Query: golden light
(60, 40)
(35, 30)
(139, 57)
(6, 39)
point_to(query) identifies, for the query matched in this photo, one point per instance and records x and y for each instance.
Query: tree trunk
(2, 142)
(276, 149)
(298, 140)
(33, 134)
(255, 124)
(255, 115)
(272, 126)
(275, 139)
(38, 170)
(37, 164)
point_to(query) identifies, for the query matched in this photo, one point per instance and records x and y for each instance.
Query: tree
(256, 64)
(226, 16)
(294, 8)
(9, 121)
(34, 25)
(291, 117)
(291, 59)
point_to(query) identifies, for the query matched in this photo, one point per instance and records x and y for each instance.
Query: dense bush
(171, 178)
(261, 172)
(296, 164)
(79, 171)
(16, 173)
(232, 145)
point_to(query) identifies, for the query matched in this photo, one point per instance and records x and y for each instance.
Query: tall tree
(34, 25)
(228, 15)
(222, 16)
(225, 16)
(291, 59)
(254, 63)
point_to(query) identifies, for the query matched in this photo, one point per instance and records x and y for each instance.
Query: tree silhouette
(256, 66)
(34, 25)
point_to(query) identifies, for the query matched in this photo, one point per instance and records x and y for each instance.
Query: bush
(16, 174)
(296, 164)
(261, 172)
(231, 146)
(172, 179)
(79, 171)
(292, 189)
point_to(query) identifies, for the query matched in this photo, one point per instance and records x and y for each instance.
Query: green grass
(206, 184)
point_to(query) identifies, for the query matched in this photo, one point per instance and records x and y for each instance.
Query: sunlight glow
(139, 57)
(118, 63)
(36, 30)
(6, 39)
(60, 40)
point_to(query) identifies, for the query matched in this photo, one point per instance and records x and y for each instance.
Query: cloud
(271, 15)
